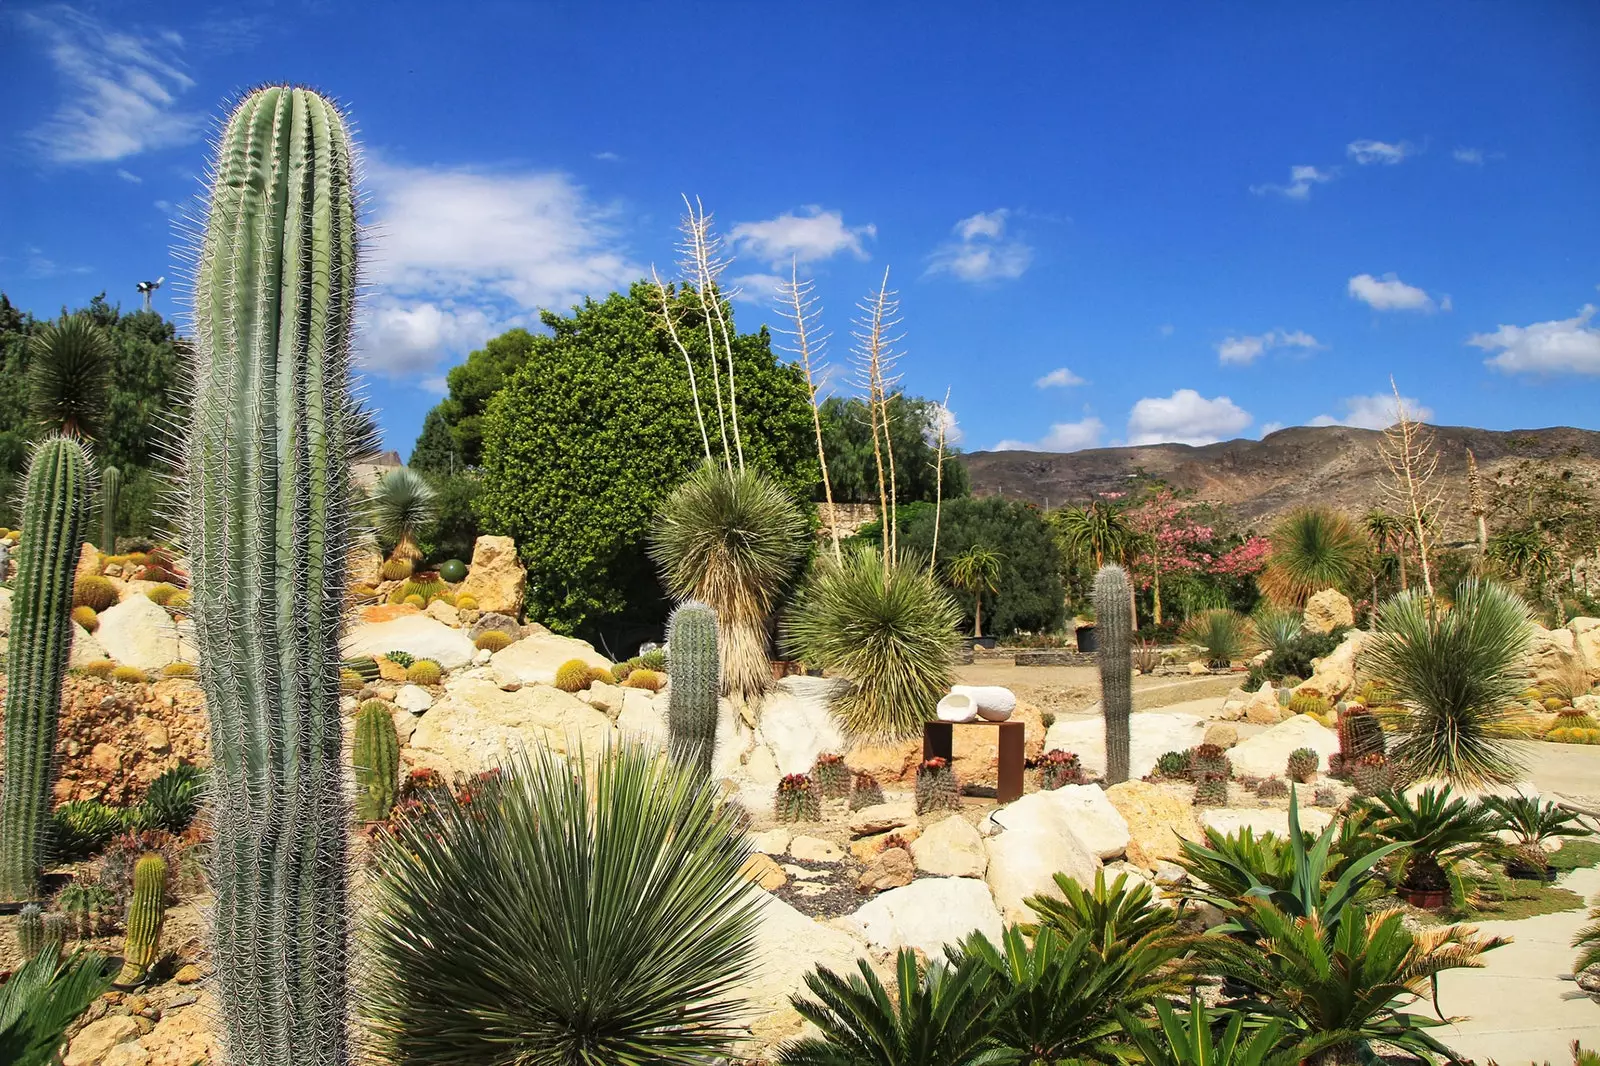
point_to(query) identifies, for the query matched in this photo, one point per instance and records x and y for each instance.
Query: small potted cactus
(831, 775)
(798, 799)
(937, 789)
(865, 792)
(1302, 765)
(1059, 768)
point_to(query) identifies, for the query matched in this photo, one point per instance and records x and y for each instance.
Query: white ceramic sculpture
(994, 702)
(957, 707)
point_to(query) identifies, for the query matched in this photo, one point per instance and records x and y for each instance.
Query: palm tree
(42, 999)
(1097, 530)
(1313, 548)
(730, 539)
(1388, 535)
(976, 571)
(402, 506)
(69, 374)
(1459, 674)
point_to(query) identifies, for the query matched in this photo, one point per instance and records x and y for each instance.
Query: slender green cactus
(38, 932)
(147, 910)
(377, 761)
(273, 430)
(54, 513)
(1113, 615)
(110, 490)
(693, 666)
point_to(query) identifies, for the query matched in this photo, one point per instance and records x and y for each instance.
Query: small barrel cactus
(1325, 796)
(146, 913)
(937, 788)
(599, 675)
(33, 932)
(648, 680)
(572, 676)
(424, 672)
(1372, 775)
(1209, 759)
(376, 756)
(86, 617)
(397, 570)
(798, 800)
(1058, 768)
(92, 590)
(1302, 765)
(129, 675)
(1210, 790)
(1360, 735)
(864, 791)
(492, 641)
(466, 601)
(1173, 764)
(831, 775)
(1315, 706)
(365, 665)
(1272, 788)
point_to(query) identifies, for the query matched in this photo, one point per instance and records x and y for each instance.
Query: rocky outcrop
(788, 945)
(1329, 610)
(1158, 819)
(114, 739)
(1554, 663)
(950, 848)
(535, 659)
(137, 632)
(1034, 841)
(795, 724)
(1267, 754)
(478, 724)
(497, 578)
(409, 630)
(1260, 820)
(927, 914)
(890, 868)
(1333, 676)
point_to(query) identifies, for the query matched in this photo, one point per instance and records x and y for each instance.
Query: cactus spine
(54, 513)
(147, 909)
(273, 430)
(377, 761)
(694, 669)
(110, 490)
(1113, 615)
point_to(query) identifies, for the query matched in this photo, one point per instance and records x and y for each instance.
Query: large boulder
(536, 659)
(796, 725)
(643, 718)
(1151, 734)
(927, 914)
(1329, 610)
(478, 724)
(889, 763)
(788, 945)
(497, 579)
(137, 632)
(1554, 663)
(1081, 810)
(1334, 675)
(1158, 820)
(1586, 635)
(1261, 820)
(950, 848)
(1035, 840)
(85, 649)
(1267, 753)
(366, 565)
(413, 633)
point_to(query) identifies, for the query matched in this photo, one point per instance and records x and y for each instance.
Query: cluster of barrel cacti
(376, 757)
(147, 911)
(695, 672)
(937, 787)
(1058, 768)
(798, 799)
(864, 791)
(831, 775)
(1113, 607)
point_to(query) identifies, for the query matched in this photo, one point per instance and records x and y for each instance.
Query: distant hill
(1261, 479)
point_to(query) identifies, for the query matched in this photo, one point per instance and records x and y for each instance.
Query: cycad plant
(1458, 675)
(402, 504)
(1587, 941)
(1118, 918)
(42, 999)
(1313, 548)
(975, 572)
(731, 539)
(1224, 636)
(563, 912)
(1202, 1038)
(1437, 831)
(889, 629)
(1533, 821)
(69, 371)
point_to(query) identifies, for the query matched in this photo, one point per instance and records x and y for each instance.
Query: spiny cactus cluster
(38, 932)
(376, 756)
(1173, 764)
(87, 905)
(401, 659)
(1209, 759)
(147, 912)
(864, 791)
(1113, 606)
(798, 800)
(1372, 775)
(1360, 735)
(1273, 788)
(1210, 790)
(696, 674)
(937, 787)
(1058, 768)
(831, 775)
(397, 569)
(1302, 765)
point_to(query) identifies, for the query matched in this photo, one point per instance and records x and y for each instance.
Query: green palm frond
(1437, 830)
(1313, 548)
(1193, 1039)
(1587, 940)
(69, 375)
(41, 1000)
(402, 506)
(1458, 674)
(1535, 820)
(1118, 918)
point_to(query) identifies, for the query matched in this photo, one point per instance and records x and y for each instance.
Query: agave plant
(69, 375)
(41, 1000)
(1118, 919)
(402, 507)
(1313, 548)
(730, 539)
(1534, 821)
(1225, 635)
(1437, 831)
(1194, 1039)
(1458, 675)
(887, 627)
(1276, 629)
(560, 913)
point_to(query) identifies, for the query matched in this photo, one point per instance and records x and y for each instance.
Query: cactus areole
(273, 431)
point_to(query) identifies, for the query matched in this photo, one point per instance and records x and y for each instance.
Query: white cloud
(1301, 178)
(1059, 378)
(1242, 351)
(760, 289)
(404, 339)
(436, 385)
(1269, 428)
(1389, 293)
(129, 176)
(1373, 412)
(1367, 153)
(123, 90)
(608, 157)
(1565, 346)
(1470, 156)
(981, 251)
(953, 433)
(810, 236)
(1185, 417)
(1165, 330)
(1063, 437)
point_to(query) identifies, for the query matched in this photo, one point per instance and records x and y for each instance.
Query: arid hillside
(1261, 479)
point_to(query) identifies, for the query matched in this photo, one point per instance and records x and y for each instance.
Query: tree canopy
(847, 437)
(452, 433)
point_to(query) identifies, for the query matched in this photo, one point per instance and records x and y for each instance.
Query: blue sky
(1107, 223)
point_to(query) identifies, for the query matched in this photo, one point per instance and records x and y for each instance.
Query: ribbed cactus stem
(694, 668)
(376, 756)
(30, 931)
(273, 430)
(147, 910)
(1113, 615)
(110, 490)
(54, 516)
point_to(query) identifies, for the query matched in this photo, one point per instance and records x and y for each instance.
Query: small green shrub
(1173, 764)
(654, 659)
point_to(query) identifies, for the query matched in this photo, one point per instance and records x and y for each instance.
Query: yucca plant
(402, 506)
(1436, 831)
(1223, 634)
(40, 1002)
(1276, 629)
(1457, 675)
(69, 376)
(731, 539)
(887, 627)
(1533, 821)
(563, 913)
(1313, 548)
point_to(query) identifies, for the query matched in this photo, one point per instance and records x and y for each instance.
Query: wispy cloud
(1564, 346)
(1301, 179)
(129, 176)
(1063, 437)
(762, 289)
(1242, 351)
(1470, 156)
(809, 235)
(1376, 411)
(1185, 417)
(980, 250)
(1059, 378)
(1389, 293)
(123, 90)
(608, 157)
(1367, 152)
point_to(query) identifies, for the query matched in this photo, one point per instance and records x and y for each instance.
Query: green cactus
(937, 788)
(1372, 775)
(38, 931)
(1360, 735)
(1210, 790)
(831, 775)
(110, 490)
(1209, 759)
(695, 672)
(1113, 612)
(1302, 765)
(55, 513)
(865, 791)
(798, 800)
(1312, 705)
(147, 910)
(366, 666)
(273, 429)
(1273, 788)
(377, 761)
(1173, 764)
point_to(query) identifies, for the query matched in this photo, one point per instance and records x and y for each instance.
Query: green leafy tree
(913, 428)
(455, 526)
(436, 451)
(1026, 592)
(452, 434)
(587, 438)
(975, 572)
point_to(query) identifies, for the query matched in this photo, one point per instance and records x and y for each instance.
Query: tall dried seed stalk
(1477, 503)
(876, 355)
(1409, 454)
(797, 303)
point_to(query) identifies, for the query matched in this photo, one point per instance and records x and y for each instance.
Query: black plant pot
(987, 643)
(1088, 640)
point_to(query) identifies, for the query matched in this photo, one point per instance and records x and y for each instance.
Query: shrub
(1223, 634)
(180, 670)
(1313, 548)
(100, 668)
(92, 590)
(648, 680)
(86, 617)
(1115, 920)
(81, 828)
(1438, 831)
(572, 676)
(424, 672)
(798, 800)
(1533, 821)
(173, 798)
(128, 675)
(492, 641)
(162, 594)
(43, 1000)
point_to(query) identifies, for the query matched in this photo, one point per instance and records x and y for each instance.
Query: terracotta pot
(1426, 899)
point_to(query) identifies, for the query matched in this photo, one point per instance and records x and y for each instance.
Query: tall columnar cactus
(110, 491)
(694, 667)
(376, 756)
(1113, 616)
(273, 431)
(147, 910)
(54, 515)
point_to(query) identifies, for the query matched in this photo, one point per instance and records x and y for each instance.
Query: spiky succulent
(864, 791)
(1173, 764)
(798, 800)
(831, 775)
(402, 506)
(1302, 765)
(424, 672)
(1272, 788)
(937, 787)
(492, 641)
(92, 590)
(1058, 768)
(572, 676)
(69, 375)
(1210, 790)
